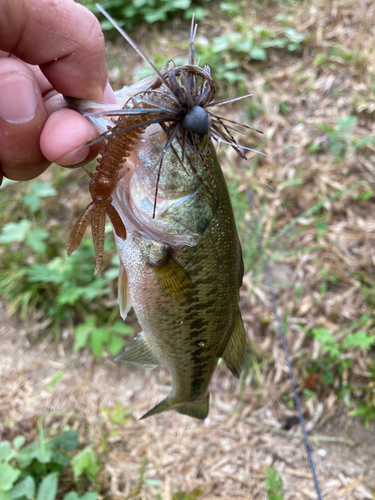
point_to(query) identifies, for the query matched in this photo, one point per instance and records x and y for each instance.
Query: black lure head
(196, 120)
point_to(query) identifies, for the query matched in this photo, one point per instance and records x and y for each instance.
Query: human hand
(47, 49)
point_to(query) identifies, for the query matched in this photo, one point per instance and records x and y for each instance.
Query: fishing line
(288, 362)
(287, 359)
(292, 379)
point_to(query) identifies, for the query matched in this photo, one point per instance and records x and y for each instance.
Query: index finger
(63, 38)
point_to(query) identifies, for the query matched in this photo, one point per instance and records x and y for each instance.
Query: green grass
(339, 351)
(39, 280)
(35, 471)
(341, 141)
(228, 53)
(133, 12)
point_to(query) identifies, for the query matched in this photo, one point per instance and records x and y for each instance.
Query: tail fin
(163, 406)
(196, 409)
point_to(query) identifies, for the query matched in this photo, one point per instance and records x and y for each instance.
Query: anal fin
(140, 352)
(234, 353)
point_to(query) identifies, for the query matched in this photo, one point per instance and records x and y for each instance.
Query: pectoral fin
(234, 353)
(140, 352)
(124, 298)
(173, 279)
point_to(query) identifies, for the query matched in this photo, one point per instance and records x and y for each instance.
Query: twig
(319, 438)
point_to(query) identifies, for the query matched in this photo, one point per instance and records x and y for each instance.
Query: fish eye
(196, 120)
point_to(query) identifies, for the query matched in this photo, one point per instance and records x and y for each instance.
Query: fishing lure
(180, 100)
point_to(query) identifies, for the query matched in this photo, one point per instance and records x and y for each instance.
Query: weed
(22, 231)
(248, 229)
(231, 8)
(328, 280)
(37, 191)
(37, 278)
(226, 54)
(137, 489)
(261, 244)
(283, 107)
(64, 289)
(25, 231)
(119, 414)
(365, 407)
(254, 107)
(338, 136)
(338, 355)
(118, 417)
(274, 485)
(364, 196)
(340, 139)
(34, 471)
(99, 338)
(336, 56)
(367, 287)
(188, 495)
(85, 463)
(130, 14)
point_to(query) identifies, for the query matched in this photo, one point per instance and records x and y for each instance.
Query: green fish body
(181, 271)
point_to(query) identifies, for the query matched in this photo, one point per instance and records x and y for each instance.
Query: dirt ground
(226, 455)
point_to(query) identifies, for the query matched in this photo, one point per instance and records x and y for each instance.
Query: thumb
(22, 117)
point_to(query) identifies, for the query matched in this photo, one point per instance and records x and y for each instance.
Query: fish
(183, 281)
(181, 265)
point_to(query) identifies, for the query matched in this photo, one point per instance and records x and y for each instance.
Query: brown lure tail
(114, 152)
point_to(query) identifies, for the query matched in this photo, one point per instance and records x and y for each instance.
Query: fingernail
(109, 95)
(74, 158)
(17, 98)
